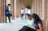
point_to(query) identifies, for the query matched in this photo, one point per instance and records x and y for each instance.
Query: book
(33, 27)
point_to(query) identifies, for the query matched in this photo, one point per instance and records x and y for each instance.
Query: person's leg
(9, 18)
(24, 28)
(21, 16)
(25, 15)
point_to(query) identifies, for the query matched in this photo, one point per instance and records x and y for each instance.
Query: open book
(30, 26)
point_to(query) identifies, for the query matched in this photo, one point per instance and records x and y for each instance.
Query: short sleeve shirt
(22, 11)
(30, 22)
(36, 25)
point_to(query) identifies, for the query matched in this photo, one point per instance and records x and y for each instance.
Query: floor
(15, 25)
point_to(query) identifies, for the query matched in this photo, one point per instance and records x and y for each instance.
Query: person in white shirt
(22, 13)
(26, 12)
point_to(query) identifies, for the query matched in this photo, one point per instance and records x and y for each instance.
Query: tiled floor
(14, 26)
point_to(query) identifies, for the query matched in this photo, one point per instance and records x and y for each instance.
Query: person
(7, 12)
(22, 13)
(26, 12)
(37, 22)
(30, 22)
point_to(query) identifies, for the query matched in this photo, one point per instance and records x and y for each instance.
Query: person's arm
(40, 26)
(26, 22)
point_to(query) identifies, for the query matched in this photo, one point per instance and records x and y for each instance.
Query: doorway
(29, 9)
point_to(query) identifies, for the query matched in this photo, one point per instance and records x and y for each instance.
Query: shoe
(9, 22)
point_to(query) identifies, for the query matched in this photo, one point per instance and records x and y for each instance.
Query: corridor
(39, 7)
(14, 26)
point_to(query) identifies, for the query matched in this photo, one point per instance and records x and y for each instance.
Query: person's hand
(32, 24)
(10, 10)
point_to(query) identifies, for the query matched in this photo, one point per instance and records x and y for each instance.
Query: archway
(29, 9)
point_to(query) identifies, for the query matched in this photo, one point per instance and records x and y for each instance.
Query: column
(33, 6)
(40, 8)
(17, 8)
(12, 8)
(37, 7)
(5, 19)
(2, 11)
(43, 8)
(47, 9)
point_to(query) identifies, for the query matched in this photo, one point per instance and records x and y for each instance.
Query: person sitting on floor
(37, 22)
(29, 22)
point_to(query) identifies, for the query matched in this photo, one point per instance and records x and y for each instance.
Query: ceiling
(27, 2)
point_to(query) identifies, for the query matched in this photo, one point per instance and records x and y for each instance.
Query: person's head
(9, 5)
(35, 17)
(22, 8)
(28, 16)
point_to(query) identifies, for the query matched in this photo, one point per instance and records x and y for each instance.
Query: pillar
(12, 8)
(47, 9)
(44, 9)
(18, 8)
(33, 6)
(15, 8)
(40, 9)
(2, 11)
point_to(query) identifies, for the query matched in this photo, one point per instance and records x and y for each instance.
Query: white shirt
(22, 11)
(26, 10)
(29, 11)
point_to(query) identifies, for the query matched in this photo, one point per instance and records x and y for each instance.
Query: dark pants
(25, 28)
(8, 17)
(22, 16)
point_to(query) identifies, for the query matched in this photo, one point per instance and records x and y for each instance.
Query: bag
(9, 14)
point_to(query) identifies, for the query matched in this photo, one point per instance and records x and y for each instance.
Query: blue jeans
(25, 15)
(22, 16)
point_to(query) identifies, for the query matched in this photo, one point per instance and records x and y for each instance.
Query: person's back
(22, 11)
(7, 9)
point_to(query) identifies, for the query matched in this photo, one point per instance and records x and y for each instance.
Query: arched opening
(29, 9)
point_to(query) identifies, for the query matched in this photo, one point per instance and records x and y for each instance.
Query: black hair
(22, 8)
(9, 4)
(36, 17)
(29, 15)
